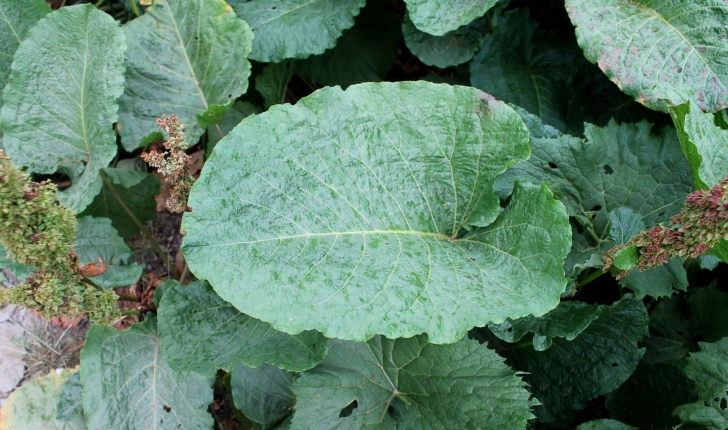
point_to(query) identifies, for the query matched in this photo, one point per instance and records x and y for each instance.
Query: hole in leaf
(723, 403)
(346, 412)
(553, 165)
(615, 364)
(596, 208)
(682, 333)
(167, 409)
(608, 169)
(510, 329)
(661, 214)
(679, 69)
(313, 346)
(394, 413)
(274, 7)
(716, 399)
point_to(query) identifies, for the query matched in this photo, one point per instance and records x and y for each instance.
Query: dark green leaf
(349, 212)
(605, 425)
(709, 313)
(200, 332)
(60, 101)
(185, 57)
(452, 48)
(232, 118)
(263, 394)
(438, 17)
(624, 223)
(661, 281)
(410, 384)
(272, 82)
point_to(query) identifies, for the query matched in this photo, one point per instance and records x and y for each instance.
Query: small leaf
(60, 101)
(185, 57)
(605, 425)
(452, 48)
(356, 223)
(295, 28)
(263, 394)
(200, 332)
(128, 384)
(626, 258)
(272, 82)
(96, 238)
(641, 44)
(33, 405)
(230, 120)
(410, 384)
(708, 369)
(624, 223)
(70, 404)
(127, 198)
(438, 17)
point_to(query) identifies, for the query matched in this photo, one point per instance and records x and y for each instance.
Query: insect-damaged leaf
(353, 213)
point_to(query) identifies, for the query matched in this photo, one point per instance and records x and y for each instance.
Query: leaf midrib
(282, 14)
(10, 26)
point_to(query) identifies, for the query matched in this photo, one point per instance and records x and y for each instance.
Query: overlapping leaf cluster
(402, 218)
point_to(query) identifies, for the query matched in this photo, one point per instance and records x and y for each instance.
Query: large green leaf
(70, 401)
(452, 48)
(648, 397)
(605, 425)
(523, 64)
(709, 369)
(33, 405)
(96, 238)
(127, 198)
(363, 53)
(616, 166)
(641, 43)
(200, 332)
(185, 57)
(60, 101)
(16, 19)
(410, 384)
(704, 144)
(349, 213)
(295, 28)
(438, 17)
(127, 384)
(570, 373)
(263, 394)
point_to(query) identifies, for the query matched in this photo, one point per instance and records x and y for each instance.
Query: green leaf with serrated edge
(232, 118)
(650, 395)
(184, 57)
(347, 210)
(624, 223)
(704, 144)
(523, 64)
(200, 332)
(709, 369)
(410, 384)
(438, 17)
(33, 405)
(450, 49)
(567, 321)
(570, 373)
(263, 393)
(709, 313)
(661, 281)
(272, 82)
(616, 166)
(212, 115)
(96, 238)
(125, 196)
(626, 258)
(707, 262)
(69, 405)
(639, 44)
(605, 425)
(295, 28)
(161, 289)
(363, 53)
(60, 101)
(128, 384)
(16, 19)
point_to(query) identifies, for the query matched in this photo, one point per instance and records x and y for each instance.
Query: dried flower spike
(174, 164)
(699, 226)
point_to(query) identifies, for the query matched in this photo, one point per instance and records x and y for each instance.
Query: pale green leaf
(348, 212)
(263, 394)
(127, 198)
(523, 64)
(70, 405)
(33, 405)
(626, 258)
(96, 238)
(450, 49)
(185, 57)
(200, 332)
(127, 384)
(60, 101)
(272, 82)
(641, 43)
(567, 321)
(232, 118)
(570, 373)
(16, 19)
(410, 384)
(624, 223)
(605, 425)
(363, 53)
(295, 28)
(709, 369)
(438, 17)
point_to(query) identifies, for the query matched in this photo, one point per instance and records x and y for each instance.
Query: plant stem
(86, 280)
(592, 276)
(145, 232)
(129, 298)
(131, 312)
(100, 3)
(134, 8)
